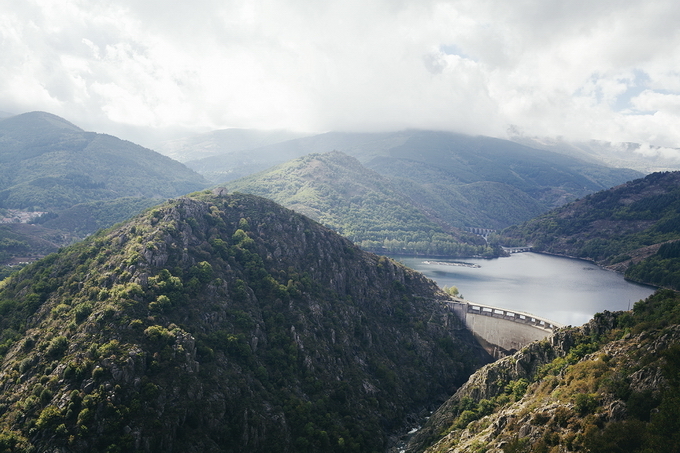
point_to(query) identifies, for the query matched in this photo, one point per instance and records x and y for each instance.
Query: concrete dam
(501, 331)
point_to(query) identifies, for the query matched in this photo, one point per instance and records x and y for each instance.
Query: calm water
(564, 290)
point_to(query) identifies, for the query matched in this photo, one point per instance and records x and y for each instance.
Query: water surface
(565, 290)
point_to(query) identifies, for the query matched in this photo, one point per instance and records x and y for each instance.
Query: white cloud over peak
(582, 69)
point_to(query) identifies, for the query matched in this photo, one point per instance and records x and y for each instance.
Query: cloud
(580, 69)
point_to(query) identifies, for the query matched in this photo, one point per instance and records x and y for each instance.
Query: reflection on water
(565, 290)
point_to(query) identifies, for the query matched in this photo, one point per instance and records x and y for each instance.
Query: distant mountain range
(455, 181)
(427, 187)
(647, 159)
(437, 159)
(222, 143)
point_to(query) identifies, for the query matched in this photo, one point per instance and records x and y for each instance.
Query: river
(565, 290)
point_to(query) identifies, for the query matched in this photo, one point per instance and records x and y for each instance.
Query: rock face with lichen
(610, 385)
(222, 322)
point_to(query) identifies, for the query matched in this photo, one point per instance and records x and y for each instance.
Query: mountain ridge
(371, 210)
(435, 167)
(241, 325)
(49, 163)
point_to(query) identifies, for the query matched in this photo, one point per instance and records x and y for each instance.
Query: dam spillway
(500, 330)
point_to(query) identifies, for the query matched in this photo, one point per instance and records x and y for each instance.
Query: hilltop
(369, 209)
(631, 228)
(50, 164)
(222, 322)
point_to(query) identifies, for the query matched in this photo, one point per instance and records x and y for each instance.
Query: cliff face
(610, 385)
(222, 323)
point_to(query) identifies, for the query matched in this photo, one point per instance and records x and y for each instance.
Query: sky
(147, 70)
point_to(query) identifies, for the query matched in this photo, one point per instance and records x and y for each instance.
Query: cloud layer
(604, 70)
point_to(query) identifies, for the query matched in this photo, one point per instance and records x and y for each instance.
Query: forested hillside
(222, 323)
(48, 163)
(83, 180)
(372, 211)
(466, 181)
(630, 228)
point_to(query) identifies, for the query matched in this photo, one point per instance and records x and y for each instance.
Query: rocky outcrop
(593, 388)
(223, 323)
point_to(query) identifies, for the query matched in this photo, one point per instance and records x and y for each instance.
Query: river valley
(565, 290)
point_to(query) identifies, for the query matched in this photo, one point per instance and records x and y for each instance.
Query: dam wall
(499, 330)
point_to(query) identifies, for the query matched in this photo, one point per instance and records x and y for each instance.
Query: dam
(499, 330)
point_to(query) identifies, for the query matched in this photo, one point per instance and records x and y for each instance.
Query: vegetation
(623, 228)
(20, 243)
(50, 164)
(221, 323)
(462, 181)
(661, 269)
(609, 386)
(337, 191)
(82, 180)
(86, 218)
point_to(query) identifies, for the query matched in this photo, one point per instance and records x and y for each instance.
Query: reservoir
(565, 290)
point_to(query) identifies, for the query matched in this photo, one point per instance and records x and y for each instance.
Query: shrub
(585, 403)
(57, 346)
(159, 334)
(82, 311)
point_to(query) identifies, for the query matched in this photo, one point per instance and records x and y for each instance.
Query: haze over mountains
(87, 181)
(453, 181)
(222, 321)
(476, 157)
(221, 142)
(644, 158)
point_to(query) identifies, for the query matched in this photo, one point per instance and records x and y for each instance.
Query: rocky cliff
(222, 322)
(610, 385)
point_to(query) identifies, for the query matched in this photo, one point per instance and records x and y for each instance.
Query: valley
(252, 316)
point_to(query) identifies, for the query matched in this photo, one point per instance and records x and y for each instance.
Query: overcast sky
(607, 70)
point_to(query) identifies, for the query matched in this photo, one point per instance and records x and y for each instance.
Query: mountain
(631, 228)
(468, 181)
(441, 159)
(49, 164)
(612, 385)
(226, 323)
(222, 143)
(336, 190)
(81, 181)
(21, 242)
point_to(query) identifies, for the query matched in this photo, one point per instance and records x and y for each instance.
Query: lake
(565, 290)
